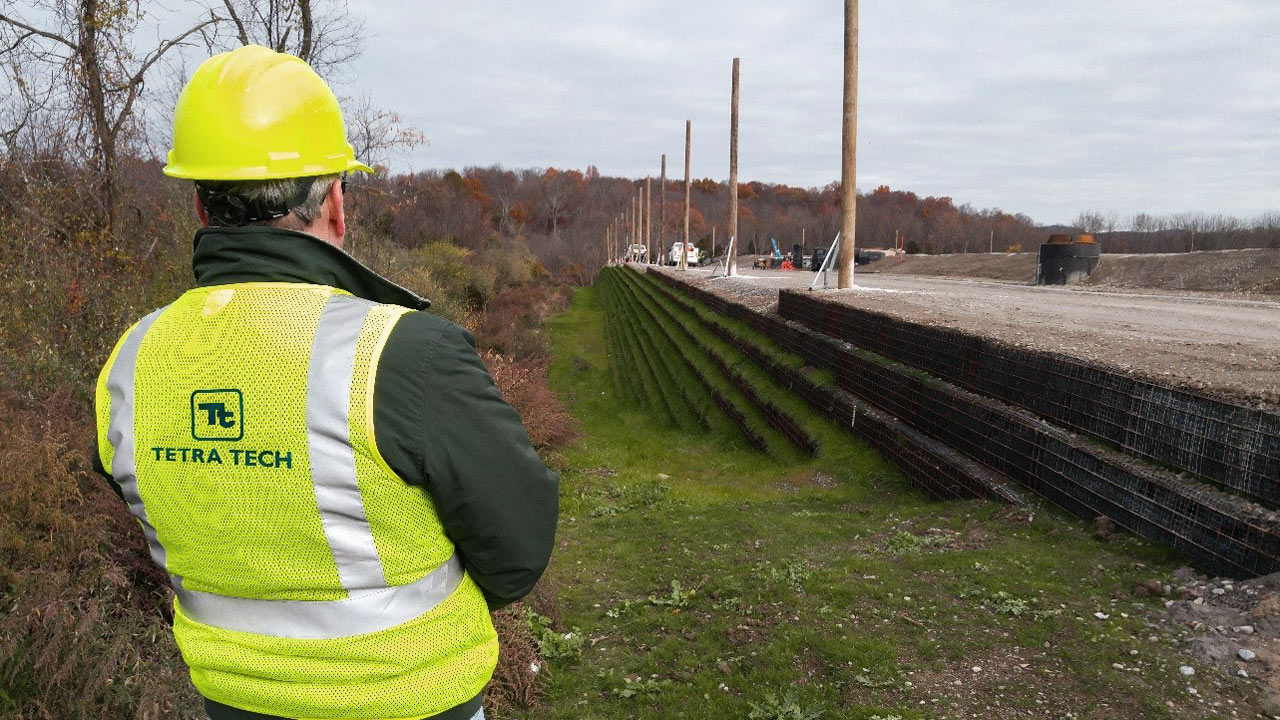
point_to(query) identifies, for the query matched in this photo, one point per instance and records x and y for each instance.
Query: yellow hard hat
(256, 114)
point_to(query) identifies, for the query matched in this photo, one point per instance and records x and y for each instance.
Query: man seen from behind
(327, 473)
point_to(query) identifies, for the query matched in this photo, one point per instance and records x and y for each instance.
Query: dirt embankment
(1250, 272)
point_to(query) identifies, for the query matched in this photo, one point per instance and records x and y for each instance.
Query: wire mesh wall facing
(940, 471)
(1220, 533)
(653, 351)
(726, 406)
(643, 353)
(777, 418)
(754, 440)
(676, 364)
(1234, 446)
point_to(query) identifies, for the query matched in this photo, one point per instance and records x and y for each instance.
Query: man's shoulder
(421, 341)
(417, 327)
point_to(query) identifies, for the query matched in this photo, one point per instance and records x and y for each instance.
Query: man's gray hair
(281, 193)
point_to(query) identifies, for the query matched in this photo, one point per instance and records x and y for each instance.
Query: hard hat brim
(262, 172)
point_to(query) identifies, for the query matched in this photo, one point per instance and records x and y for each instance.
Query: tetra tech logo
(217, 414)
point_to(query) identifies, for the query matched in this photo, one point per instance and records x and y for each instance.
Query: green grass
(672, 382)
(707, 581)
(821, 430)
(645, 314)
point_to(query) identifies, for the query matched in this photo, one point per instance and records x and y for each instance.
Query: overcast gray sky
(1049, 109)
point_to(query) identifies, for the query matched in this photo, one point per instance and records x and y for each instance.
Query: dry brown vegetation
(85, 629)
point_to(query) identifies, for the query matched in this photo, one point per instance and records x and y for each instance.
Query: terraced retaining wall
(641, 339)
(1236, 447)
(940, 471)
(1219, 532)
(786, 425)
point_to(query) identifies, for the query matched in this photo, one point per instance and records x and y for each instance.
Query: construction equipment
(774, 261)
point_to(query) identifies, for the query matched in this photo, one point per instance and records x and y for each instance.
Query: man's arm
(441, 423)
(97, 467)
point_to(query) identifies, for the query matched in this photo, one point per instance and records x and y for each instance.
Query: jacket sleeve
(441, 423)
(96, 460)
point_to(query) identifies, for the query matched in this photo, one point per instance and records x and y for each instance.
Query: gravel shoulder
(1227, 346)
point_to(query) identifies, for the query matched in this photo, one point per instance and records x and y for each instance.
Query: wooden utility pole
(662, 211)
(713, 241)
(640, 214)
(688, 140)
(848, 169)
(731, 260)
(648, 217)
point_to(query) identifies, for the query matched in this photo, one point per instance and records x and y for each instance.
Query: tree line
(562, 215)
(1180, 232)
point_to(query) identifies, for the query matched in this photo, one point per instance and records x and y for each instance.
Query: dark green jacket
(440, 421)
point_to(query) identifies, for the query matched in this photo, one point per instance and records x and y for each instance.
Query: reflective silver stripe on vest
(333, 461)
(363, 612)
(120, 430)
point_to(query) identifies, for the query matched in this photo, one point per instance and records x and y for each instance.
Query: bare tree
(26, 129)
(324, 34)
(1091, 221)
(85, 52)
(503, 186)
(376, 133)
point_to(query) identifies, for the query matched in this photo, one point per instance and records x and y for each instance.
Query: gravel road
(1224, 346)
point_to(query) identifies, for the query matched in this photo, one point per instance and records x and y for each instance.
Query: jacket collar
(227, 255)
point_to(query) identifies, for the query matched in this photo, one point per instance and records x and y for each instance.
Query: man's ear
(330, 222)
(200, 213)
(335, 217)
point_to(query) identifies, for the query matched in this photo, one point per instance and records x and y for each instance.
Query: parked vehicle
(637, 253)
(692, 258)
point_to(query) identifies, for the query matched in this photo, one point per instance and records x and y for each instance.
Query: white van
(692, 258)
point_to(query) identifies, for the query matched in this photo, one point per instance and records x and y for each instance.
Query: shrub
(85, 632)
(515, 681)
(523, 383)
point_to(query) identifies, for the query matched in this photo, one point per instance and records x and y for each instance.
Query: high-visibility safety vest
(310, 580)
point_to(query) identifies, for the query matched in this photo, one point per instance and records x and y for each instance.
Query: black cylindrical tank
(1063, 263)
